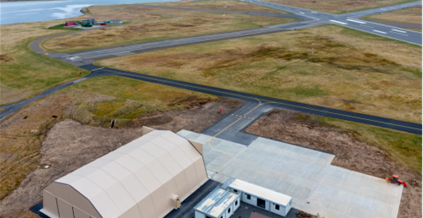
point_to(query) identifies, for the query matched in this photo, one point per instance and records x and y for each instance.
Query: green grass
(132, 99)
(63, 27)
(35, 72)
(416, 72)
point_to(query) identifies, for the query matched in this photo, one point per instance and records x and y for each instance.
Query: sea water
(31, 11)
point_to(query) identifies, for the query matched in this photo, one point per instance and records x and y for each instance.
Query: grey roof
(216, 202)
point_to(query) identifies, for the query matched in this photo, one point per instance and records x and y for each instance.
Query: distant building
(114, 21)
(89, 21)
(145, 178)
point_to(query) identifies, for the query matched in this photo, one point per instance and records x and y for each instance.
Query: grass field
(339, 6)
(132, 99)
(88, 102)
(349, 70)
(187, 23)
(408, 15)
(233, 5)
(25, 73)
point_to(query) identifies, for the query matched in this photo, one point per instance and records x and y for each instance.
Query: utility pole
(312, 48)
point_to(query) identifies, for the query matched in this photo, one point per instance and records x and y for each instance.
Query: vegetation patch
(63, 26)
(348, 70)
(188, 23)
(132, 99)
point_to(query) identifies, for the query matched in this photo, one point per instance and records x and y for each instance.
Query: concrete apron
(305, 174)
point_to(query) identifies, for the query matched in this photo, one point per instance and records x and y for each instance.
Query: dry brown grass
(187, 24)
(349, 70)
(233, 5)
(339, 6)
(408, 15)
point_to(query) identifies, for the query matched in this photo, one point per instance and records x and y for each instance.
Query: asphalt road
(87, 57)
(351, 20)
(266, 14)
(254, 106)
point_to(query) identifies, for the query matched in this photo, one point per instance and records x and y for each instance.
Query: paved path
(415, 26)
(351, 20)
(266, 14)
(303, 173)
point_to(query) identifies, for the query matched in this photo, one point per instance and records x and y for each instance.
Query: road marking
(314, 12)
(379, 31)
(399, 31)
(79, 80)
(218, 134)
(367, 26)
(301, 12)
(335, 21)
(356, 21)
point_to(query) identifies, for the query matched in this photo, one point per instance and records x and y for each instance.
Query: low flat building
(264, 198)
(145, 178)
(220, 203)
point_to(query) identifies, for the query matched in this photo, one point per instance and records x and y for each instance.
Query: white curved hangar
(145, 178)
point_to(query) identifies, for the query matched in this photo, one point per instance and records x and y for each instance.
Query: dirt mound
(302, 129)
(197, 116)
(302, 214)
(5, 58)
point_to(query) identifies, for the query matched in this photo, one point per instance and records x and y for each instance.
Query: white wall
(239, 203)
(281, 210)
(288, 207)
(252, 201)
(199, 215)
(229, 214)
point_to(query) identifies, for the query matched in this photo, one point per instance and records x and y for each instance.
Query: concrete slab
(305, 174)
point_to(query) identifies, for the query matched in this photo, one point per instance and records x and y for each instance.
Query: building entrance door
(261, 203)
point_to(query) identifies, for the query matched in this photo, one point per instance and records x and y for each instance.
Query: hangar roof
(160, 162)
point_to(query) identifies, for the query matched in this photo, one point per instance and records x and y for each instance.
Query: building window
(248, 196)
(236, 202)
(236, 191)
(229, 210)
(277, 207)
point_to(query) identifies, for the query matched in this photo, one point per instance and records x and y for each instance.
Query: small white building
(264, 198)
(220, 203)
